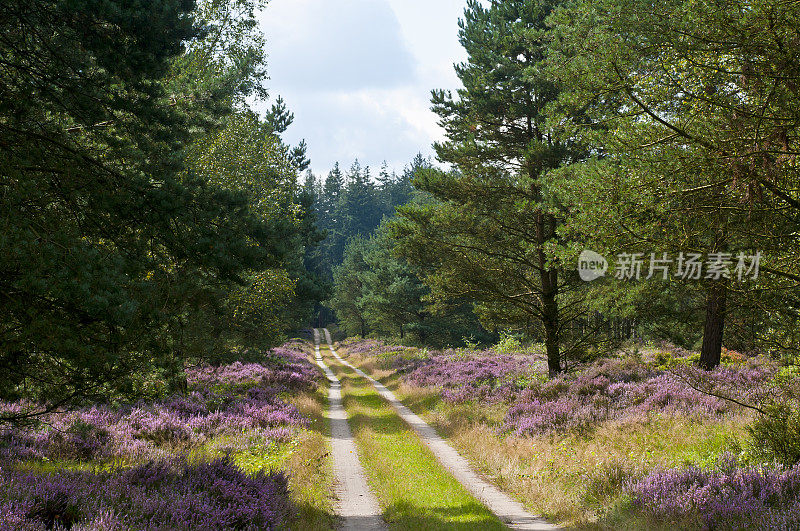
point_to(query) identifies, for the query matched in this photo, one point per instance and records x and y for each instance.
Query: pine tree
(348, 293)
(403, 190)
(385, 180)
(331, 193)
(689, 106)
(392, 292)
(278, 120)
(107, 242)
(359, 207)
(331, 220)
(490, 233)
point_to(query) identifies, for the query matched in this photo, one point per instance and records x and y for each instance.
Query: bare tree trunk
(716, 303)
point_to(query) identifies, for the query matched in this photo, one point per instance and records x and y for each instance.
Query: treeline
(661, 136)
(370, 289)
(150, 217)
(378, 292)
(352, 203)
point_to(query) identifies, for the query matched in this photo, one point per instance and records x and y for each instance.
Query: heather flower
(728, 497)
(476, 377)
(241, 402)
(157, 495)
(608, 389)
(225, 400)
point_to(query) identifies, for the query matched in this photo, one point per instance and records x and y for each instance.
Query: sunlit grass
(47, 466)
(576, 480)
(309, 466)
(413, 489)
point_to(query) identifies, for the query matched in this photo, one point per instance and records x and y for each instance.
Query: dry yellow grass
(309, 466)
(370, 365)
(577, 480)
(574, 480)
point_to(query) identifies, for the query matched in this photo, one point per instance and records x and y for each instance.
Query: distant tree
(311, 285)
(381, 293)
(332, 189)
(348, 291)
(331, 220)
(392, 292)
(312, 186)
(402, 191)
(359, 207)
(385, 179)
(354, 205)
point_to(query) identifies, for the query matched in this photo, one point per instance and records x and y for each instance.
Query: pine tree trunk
(549, 297)
(716, 302)
(550, 316)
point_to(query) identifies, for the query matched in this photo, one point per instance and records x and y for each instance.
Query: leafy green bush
(776, 434)
(665, 361)
(508, 344)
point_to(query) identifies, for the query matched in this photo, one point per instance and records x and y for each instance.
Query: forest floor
(394, 437)
(621, 443)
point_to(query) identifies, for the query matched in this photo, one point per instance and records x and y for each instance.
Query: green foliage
(351, 208)
(685, 107)
(666, 361)
(92, 204)
(490, 231)
(352, 205)
(375, 291)
(311, 285)
(776, 434)
(392, 294)
(257, 319)
(348, 290)
(508, 344)
(149, 217)
(264, 455)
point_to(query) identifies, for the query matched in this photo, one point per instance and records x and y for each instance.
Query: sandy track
(357, 506)
(510, 511)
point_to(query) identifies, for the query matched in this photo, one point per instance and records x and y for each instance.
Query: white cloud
(358, 74)
(324, 45)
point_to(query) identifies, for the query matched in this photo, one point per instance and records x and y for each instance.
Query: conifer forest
(399, 264)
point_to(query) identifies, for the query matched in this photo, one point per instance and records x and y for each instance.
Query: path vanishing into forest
(357, 505)
(508, 510)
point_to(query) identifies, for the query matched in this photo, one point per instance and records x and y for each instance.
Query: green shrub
(508, 344)
(776, 434)
(665, 361)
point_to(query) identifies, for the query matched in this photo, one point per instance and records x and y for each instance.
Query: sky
(357, 74)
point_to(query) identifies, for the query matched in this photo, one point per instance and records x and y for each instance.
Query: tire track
(510, 511)
(357, 506)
